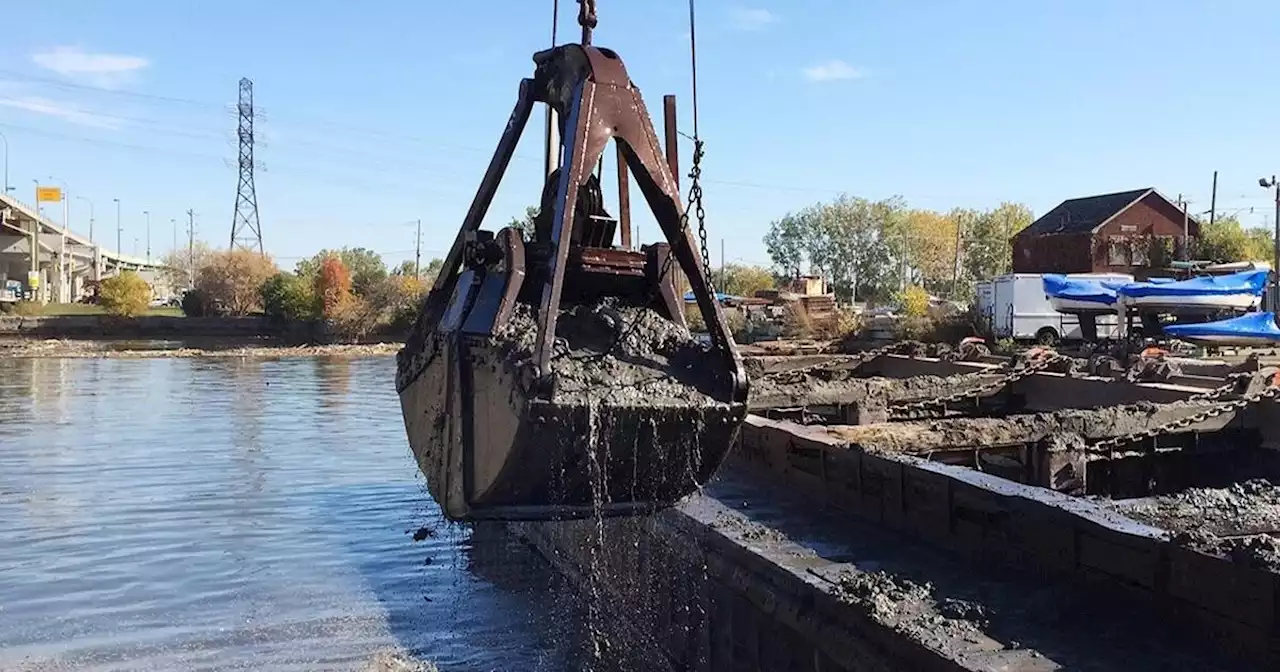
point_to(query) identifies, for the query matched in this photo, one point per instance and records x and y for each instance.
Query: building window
(1117, 251)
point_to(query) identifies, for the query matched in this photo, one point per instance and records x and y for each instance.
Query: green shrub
(914, 301)
(125, 295)
(195, 303)
(288, 298)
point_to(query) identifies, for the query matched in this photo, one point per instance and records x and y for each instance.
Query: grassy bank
(71, 309)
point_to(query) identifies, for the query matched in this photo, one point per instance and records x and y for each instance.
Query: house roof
(1083, 215)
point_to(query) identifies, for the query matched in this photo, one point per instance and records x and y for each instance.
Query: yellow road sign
(45, 194)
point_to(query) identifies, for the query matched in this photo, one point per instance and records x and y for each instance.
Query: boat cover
(720, 296)
(1247, 282)
(1077, 289)
(1249, 325)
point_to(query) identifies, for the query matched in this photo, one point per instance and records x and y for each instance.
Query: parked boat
(1237, 291)
(1080, 295)
(1251, 329)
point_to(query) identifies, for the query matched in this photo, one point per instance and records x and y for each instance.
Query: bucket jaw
(492, 382)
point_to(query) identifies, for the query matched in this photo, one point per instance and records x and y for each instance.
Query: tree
(431, 270)
(287, 297)
(847, 240)
(987, 237)
(125, 295)
(332, 285)
(525, 224)
(365, 267)
(181, 266)
(785, 243)
(1226, 240)
(234, 278)
(930, 240)
(742, 280)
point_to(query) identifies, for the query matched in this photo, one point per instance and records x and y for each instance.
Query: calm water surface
(183, 514)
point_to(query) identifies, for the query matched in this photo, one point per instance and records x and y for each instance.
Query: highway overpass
(67, 260)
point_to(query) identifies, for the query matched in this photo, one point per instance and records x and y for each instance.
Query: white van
(1015, 306)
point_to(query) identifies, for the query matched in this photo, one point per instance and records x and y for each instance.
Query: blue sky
(373, 116)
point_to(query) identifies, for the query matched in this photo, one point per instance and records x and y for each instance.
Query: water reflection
(244, 514)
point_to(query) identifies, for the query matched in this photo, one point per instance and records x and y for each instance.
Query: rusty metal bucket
(490, 431)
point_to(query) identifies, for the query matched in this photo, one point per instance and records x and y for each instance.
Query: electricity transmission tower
(245, 230)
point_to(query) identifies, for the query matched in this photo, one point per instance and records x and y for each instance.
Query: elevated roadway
(66, 260)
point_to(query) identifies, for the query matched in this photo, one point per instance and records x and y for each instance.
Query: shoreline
(26, 347)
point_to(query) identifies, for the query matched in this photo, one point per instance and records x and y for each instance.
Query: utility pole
(1186, 240)
(148, 215)
(6, 163)
(191, 249)
(174, 223)
(417, 252)
(955, 268)
(1274, 299)
(722, 268)
(90, 216)
(1213, 200)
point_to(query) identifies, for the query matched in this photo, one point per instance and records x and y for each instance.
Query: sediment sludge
(903, 512)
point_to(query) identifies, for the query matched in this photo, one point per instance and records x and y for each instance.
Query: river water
(222, 514)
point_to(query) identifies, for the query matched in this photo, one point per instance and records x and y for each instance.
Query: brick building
(1109, 233)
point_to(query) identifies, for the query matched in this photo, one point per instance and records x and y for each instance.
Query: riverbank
(12, 348)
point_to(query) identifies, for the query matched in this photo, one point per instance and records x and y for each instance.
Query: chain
(695, 199)
(695, 196)
(858, 358)
(905, 410)
(1109, 445)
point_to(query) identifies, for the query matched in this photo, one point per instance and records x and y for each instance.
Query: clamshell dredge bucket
(479, 392)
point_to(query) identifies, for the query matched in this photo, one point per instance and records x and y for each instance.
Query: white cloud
(104, 70)
(55, 109)
(744, 18)
(831, 71)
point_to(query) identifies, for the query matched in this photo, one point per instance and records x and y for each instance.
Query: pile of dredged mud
(620, 355)
(1237, 522)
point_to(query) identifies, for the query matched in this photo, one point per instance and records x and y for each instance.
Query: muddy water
(244, 514)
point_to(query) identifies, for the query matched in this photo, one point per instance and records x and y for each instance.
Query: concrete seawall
(151, 326)
(752, 576)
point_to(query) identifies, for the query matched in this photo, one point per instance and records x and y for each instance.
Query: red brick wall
(1086, 253)
(1152, 216)
(1060, 253)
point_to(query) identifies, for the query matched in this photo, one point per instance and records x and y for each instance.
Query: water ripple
(242, 514)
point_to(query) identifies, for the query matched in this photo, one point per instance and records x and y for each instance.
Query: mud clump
(911, 607)
(617, 355)
(1237, 523)
(1259, 551)
(1251, 507)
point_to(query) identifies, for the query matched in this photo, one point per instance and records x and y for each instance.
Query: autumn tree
(365, 267)
(744, 280)
(125, 295)
(332, 285)
(234, 278)
(930, 241)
